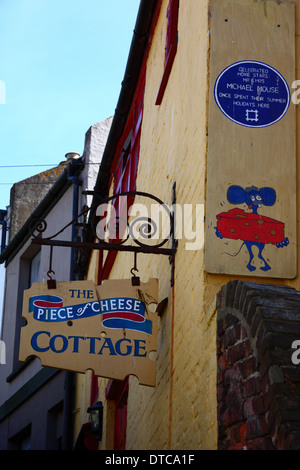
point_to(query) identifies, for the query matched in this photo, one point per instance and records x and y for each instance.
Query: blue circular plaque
(252, 94)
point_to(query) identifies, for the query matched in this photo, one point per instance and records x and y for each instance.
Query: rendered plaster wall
(95, 140)
(173, 146)
(181, 411)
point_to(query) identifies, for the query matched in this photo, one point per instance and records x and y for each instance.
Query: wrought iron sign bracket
(139, 230)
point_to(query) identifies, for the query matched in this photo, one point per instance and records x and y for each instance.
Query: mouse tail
(229, 254)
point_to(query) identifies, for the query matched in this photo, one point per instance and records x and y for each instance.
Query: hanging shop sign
(79, 326)
(252, 94)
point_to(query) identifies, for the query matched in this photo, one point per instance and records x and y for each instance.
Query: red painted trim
(100, 266)
(166, 74)
(125, 177)
(117, 390)
(121, 415)
(106, 266)
(171, 47)
(122, 395)
(94, 389)
(85, 440)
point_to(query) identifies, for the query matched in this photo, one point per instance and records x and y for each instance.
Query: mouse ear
(236, 195)
(268, 196)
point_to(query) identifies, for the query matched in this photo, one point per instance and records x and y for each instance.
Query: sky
(62, 63)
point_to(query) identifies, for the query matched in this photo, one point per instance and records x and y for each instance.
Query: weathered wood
(263, 31)
(108, 328)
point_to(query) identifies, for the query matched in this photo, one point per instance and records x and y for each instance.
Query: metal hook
(48, 274)
(135, 280)
(51, 282)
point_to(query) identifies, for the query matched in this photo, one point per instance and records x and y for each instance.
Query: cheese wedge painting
(253, 229)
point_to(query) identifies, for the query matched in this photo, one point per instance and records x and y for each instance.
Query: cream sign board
(79, 326)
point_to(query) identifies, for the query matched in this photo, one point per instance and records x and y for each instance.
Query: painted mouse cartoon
(252, 228)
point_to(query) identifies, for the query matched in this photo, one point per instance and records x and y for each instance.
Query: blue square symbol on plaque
(252, 94)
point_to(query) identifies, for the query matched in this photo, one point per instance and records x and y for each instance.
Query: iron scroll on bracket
(116, 229)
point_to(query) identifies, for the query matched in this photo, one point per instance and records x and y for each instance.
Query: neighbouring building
(36, 403)
(24, 197)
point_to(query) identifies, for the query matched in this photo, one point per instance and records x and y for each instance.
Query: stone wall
(27, 194)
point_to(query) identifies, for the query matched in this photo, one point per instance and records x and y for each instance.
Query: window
(120, 424)
(94, 389)
(117, 392)
(25, 443)
(124, 180)
(22, 440)
(124, 170)
(34, 268)
(55, 427)
(171, 46)
(29, 272)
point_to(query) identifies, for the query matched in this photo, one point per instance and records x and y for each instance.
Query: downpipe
(67, 441)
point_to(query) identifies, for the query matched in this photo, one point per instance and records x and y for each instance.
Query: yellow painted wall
(181, 411)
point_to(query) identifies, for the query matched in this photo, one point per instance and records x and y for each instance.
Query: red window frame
(125, 165)
(94, 389)
(117, 390)
(171, 46)
(125, 172)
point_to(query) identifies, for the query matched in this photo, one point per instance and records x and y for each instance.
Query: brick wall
(258, 386)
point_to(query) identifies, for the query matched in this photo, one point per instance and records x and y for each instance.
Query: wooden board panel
(251, 137)
(79, 326)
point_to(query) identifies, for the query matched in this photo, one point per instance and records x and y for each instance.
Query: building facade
(172, 135)
(206, 125)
